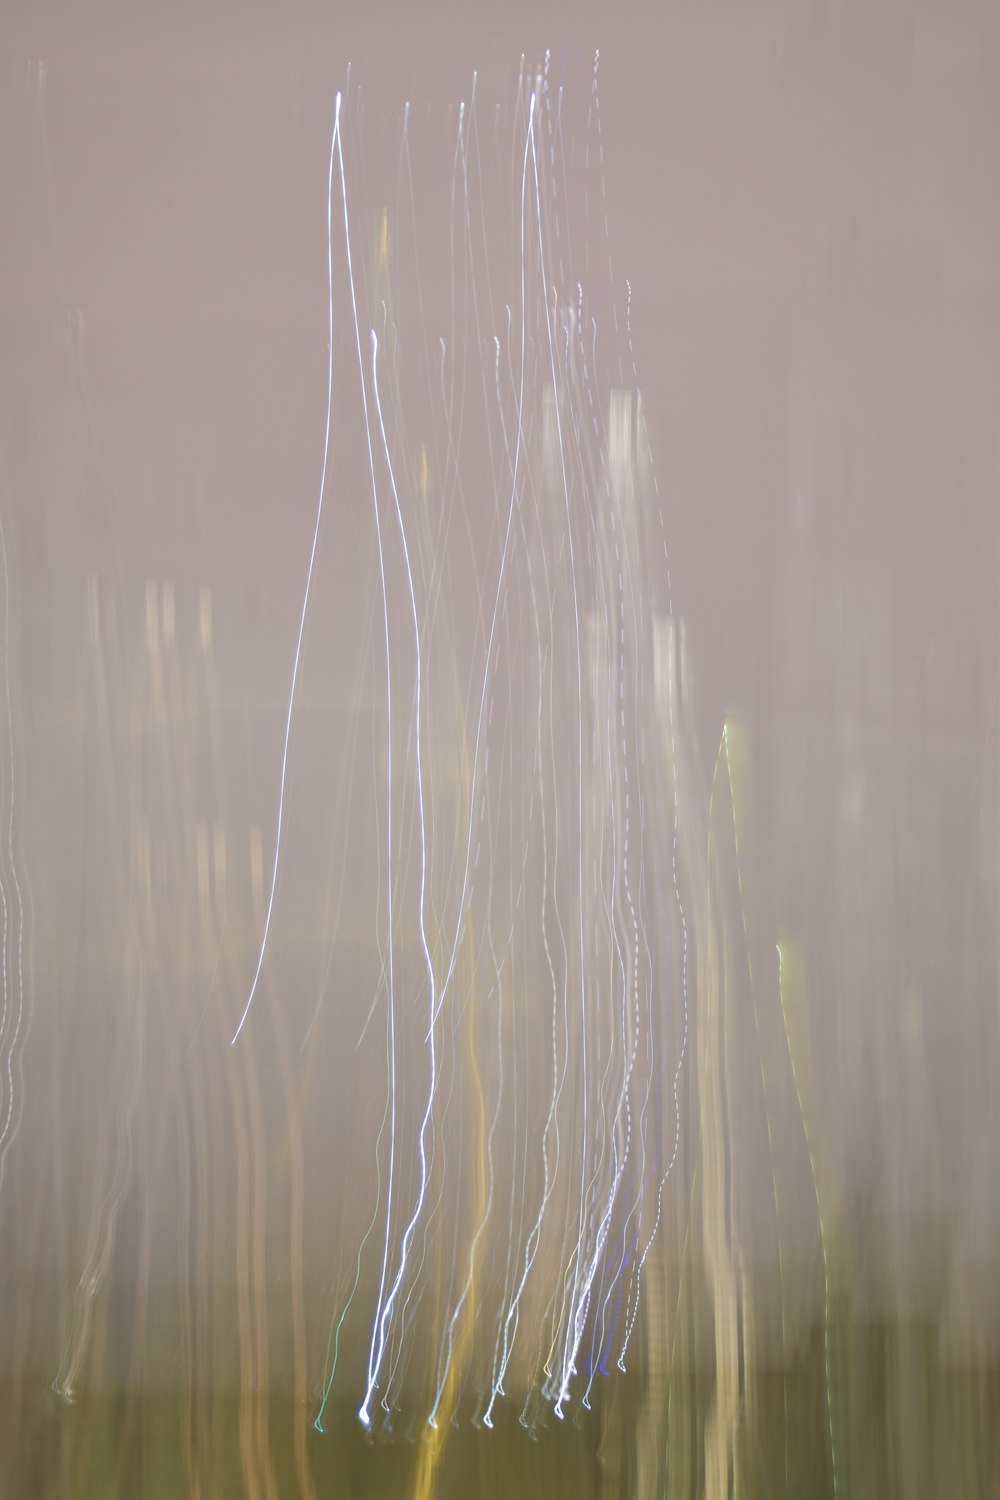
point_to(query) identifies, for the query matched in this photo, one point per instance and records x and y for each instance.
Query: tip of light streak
(363, 1416)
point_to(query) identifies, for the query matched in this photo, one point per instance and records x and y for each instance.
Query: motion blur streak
(498, 942)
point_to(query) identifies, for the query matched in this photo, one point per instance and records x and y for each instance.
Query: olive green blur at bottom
(906, 1426)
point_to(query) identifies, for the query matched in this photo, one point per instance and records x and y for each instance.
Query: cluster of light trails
(530, 986)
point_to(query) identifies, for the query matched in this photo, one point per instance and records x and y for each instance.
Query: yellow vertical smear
(258, 1252)
(432, 1446)
(248, 1455)
(723, 1417)
(792, 993)
(215, 1143)
(734, 738)
(297, 1276)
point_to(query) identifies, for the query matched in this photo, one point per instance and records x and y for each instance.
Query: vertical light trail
(444, 1384)
(587, 541)
(579, 681)
(390, 945)
(496, 607)
(534, 1235)
(334, 1338)
(675, 821)
(631, 985)
(309, 576)
(411, 1227)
